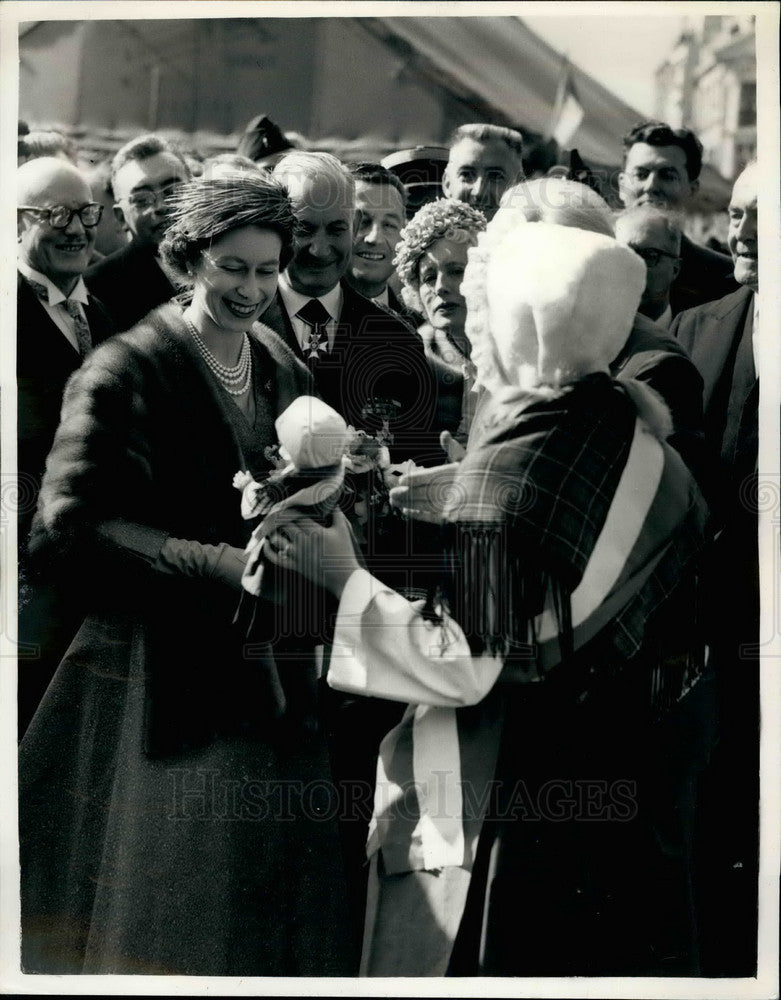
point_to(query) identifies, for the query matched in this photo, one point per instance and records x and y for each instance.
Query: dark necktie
(316, 316)
(72, 308)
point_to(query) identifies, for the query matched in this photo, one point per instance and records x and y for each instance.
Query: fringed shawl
(571, 553)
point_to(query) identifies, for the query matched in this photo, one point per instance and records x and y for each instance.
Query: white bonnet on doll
(312, 434)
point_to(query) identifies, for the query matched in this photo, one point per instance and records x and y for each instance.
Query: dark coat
(704, 276)
(129, 283)
(652, 355)
(48, 615)
(375, 355)
(710, 333)
(45, 360)
(151, 840)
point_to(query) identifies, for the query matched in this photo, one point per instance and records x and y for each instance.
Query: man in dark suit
(371, 367)
(57, 323)
(662, 167)
(132, 281)
(721, 337)
(380, 199)
(367, 363)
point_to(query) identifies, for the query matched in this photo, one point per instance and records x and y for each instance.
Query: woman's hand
(425, 493)
(325, 556)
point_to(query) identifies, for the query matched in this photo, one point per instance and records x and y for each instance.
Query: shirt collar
(293, 300)
(78, 293)
(382, 298)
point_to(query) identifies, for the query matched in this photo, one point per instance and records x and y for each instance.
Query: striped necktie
(73, 309)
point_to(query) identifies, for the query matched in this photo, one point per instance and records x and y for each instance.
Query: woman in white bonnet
(531, 815)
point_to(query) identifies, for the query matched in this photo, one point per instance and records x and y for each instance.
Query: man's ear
(119, 215)
(676, 268)
(446, 183)
(694, 187)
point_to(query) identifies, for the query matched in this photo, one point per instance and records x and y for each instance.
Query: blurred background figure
(110, 234)
(484, 161)
(46, 143)
(380, 199)
(264, 142)
(655, 235)
(225, 164)
(420, 170)
(133, 280)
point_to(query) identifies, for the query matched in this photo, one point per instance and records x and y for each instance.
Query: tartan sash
(640, 528)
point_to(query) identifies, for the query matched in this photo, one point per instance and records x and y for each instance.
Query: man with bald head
(721, 338)
(57, 323)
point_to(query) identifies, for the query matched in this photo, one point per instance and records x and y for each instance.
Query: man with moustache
(365, 361)
(721, 338)
(130, 282)
(370, 367)
(484, 161)
(57, 323)
(662, 167)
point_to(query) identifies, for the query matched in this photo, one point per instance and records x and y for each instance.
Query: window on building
(747, 109)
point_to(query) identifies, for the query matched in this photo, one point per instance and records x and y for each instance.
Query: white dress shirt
(293, 301)
(55, 305)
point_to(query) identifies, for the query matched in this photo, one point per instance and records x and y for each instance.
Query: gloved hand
(223, 563)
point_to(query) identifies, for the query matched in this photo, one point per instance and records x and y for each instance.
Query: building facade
(708, 83)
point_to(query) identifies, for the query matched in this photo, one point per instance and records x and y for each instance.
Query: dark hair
(485, 133)
(204, 210)
(375, 173)
(661, 134)
(141, 148)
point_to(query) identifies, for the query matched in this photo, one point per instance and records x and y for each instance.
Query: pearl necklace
(234, 380)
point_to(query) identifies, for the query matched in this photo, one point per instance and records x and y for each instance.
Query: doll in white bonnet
(313, 441)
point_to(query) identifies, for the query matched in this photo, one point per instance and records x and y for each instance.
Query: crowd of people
(481, 718)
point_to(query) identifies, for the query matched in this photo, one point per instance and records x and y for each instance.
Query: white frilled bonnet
(313, 435)
(548, 303)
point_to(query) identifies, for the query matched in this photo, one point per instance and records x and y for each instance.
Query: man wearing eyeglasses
(655, 236)
(58, 322)
(132, 281)
(662, 167)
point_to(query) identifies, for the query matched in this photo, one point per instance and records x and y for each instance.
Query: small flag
(568, 112)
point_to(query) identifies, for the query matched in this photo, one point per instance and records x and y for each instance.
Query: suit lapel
(276, 317)
(41, 345)
(715, 340)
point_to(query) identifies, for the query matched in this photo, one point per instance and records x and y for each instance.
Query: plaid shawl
(573, 533)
